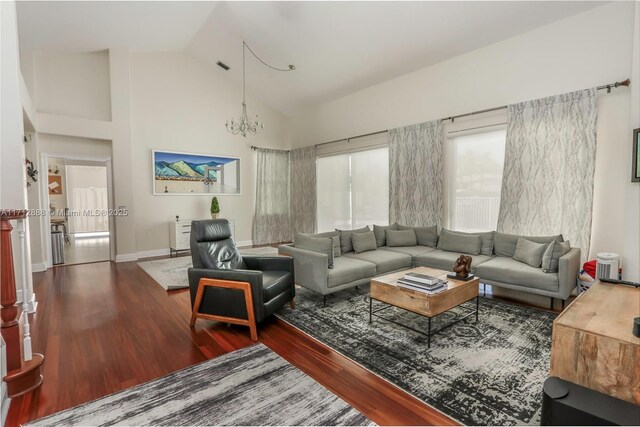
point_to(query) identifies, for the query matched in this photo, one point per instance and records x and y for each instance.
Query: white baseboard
(37, 268)
(127, 257)
(163, 252)
(153, 253)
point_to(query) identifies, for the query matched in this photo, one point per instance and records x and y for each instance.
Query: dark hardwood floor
(104, 327)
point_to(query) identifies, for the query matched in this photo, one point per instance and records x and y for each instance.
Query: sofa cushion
(426, 236)
(336, 241)
(551, 257)
(529, 252)
(486, 237)
(401, 238)
(385, 261)
(505, 244)
(445, 260)
(323, 245)
(457, 242)
(510, 271)
(274, 283)
(414, 251)
(379, 231)
(345, 238)
(346, 270)
(363, 242)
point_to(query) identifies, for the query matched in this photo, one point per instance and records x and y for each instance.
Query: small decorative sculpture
(462, 267)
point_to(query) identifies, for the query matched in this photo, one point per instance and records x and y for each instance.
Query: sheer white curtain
(271, 223)
(547, 185)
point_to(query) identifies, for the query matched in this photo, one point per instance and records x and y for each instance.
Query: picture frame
(180, 173)
(635, 171)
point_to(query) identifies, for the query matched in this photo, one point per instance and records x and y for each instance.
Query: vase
(214, 215)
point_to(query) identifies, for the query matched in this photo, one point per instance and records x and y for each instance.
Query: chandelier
(242, 125)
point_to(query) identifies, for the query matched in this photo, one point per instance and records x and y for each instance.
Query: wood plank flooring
(105, 327)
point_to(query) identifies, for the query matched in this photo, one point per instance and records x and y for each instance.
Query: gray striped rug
(251, 386)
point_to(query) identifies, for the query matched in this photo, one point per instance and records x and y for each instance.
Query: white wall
(86, 92)
(583, 51)
(180, 104)
(632, 189)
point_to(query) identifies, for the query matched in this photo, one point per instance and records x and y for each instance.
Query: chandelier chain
(243, 126)
(291, 67)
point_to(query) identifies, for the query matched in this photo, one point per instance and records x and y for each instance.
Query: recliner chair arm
(269, 263)
(254, 278)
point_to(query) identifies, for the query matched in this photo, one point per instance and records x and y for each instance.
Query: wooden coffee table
(384, 289)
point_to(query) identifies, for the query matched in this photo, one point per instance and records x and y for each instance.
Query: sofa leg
(562, 303)
(551, 304)
(292, 304)
(324, 300)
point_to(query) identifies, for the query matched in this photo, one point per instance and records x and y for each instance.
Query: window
(475, 168)
(353, 189)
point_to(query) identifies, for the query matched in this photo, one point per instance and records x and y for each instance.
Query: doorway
(78, 201)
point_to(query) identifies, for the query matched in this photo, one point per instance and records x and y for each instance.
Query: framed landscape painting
(188, 173)
(635, 174)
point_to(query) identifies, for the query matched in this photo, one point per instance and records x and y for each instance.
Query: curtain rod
(253, 147)
(608, 87)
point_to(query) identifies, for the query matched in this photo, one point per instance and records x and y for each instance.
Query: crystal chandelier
(243, 125)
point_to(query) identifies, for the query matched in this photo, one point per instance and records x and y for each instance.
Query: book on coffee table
(427, 290)
(422, 278)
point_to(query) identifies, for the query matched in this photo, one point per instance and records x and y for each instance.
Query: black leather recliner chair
(228, 287)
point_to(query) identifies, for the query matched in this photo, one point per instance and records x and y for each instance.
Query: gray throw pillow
(505, 244)
(401, 238)
(345, 238)
(379, 231)
(426, 236)
(323, 245)
(551, 256)
(529, 252)
(336, 241)
(486, 237)
(363, 242)
(456, 242)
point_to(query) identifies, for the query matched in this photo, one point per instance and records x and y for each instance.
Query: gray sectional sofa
(394, 249)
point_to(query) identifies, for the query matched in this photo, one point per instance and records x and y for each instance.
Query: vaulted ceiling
(337, 47)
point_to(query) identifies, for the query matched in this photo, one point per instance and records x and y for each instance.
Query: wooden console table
(593, 345)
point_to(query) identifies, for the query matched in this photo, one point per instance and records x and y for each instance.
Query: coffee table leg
(477, 307)
(370, 309)
(429, 334)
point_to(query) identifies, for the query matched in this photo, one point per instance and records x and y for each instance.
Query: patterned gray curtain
(416, 174)
(547, 185)
(271, 219)
(302, 169)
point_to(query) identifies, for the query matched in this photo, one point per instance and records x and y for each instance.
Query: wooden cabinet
(180, 235)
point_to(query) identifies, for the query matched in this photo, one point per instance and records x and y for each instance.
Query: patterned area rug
(251, 386)
(489, 373)
(172, 273)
